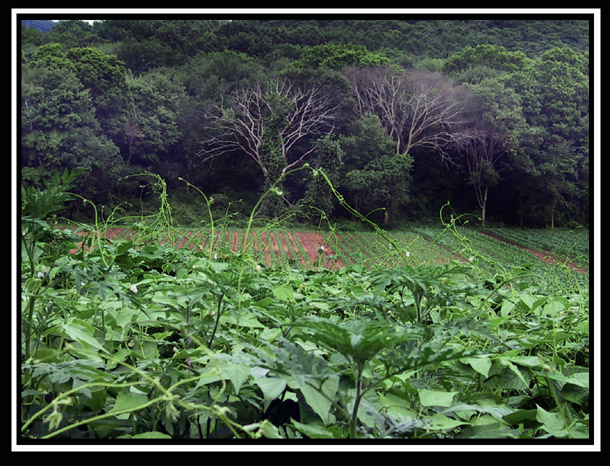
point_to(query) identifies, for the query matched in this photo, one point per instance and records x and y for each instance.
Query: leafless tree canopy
(417, 108)
(241, 120)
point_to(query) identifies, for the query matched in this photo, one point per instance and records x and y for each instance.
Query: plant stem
(217, 321)
(354, 417)
(188, 340)
(103, 416)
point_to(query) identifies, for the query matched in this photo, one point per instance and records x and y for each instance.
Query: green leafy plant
(134, 337)
(425, 283)
(38, 212)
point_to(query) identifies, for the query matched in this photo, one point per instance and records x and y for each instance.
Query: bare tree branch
(417, 108)
(240, 123)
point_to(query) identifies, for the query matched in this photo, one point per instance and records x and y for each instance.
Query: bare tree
(296, 111)
(417, 108)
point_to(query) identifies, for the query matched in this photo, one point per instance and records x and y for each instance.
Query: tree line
(401, 115)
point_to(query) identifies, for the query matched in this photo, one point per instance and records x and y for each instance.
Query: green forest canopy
(402, 114)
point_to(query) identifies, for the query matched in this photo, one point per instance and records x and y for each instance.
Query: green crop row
(572, 245)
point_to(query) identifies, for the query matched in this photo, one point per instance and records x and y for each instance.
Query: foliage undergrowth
(133, 338)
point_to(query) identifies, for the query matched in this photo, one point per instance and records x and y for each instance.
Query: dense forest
(398, 115)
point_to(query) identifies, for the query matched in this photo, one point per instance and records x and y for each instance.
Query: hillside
(154, 94)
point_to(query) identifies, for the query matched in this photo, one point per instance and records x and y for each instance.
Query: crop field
(301, 248)
(505, 247)
(559, 259)
(427, 333)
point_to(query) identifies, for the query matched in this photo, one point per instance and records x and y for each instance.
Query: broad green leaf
(264, 429)
(117, 358)
(494, 410)
(48, 355)
(258, 372)
(218, 266)
(321, 400)
(83, 333)
(147, 349)
(507, 307)
(209, 374)
(284, 293)
(528, 361)
(241, 319)
(123, 247)
(125, 315)
(581, 379)
(507, 380)
(440, 422)
(479, 364)
(162, 335)
(236, 373)
(397, 406)
(270, 334)
(435, 397)
(153, 434)
(507, 362)
(537, 303)
(129, 401)
(520, 416)
(268, 430)
(272, 388)
(313, 430)
(32, 284)
(263, 303)
(527, 301)
(487, 427)
(320, 305)
(553, 308)
(551, 422)
(174, 302)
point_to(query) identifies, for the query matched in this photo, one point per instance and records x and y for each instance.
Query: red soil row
(303, 247)
(277, 246)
